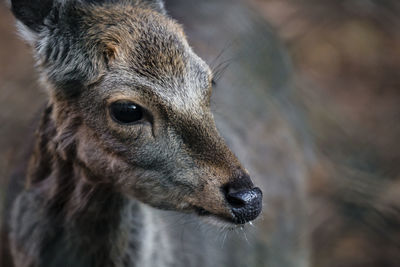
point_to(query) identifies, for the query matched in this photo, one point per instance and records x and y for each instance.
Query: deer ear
(31, 12)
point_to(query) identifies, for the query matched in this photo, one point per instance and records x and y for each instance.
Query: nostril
(236, 200)
(244, 197)
(246, 204)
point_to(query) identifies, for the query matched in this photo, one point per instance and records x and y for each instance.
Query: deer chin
(216, 219)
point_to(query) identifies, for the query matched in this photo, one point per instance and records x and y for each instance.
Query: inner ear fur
(32, 13)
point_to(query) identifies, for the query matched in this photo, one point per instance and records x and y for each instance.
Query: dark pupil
(126, 112)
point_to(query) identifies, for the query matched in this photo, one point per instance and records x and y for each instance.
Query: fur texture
(93, 184)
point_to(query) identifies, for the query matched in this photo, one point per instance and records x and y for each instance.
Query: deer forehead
(180, 78)
(182, 88)
(152, 51)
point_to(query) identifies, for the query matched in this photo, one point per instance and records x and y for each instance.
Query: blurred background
(320, 80)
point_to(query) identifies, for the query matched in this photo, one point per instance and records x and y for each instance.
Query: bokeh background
(342, 58)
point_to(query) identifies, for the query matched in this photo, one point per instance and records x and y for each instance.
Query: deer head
(131, 106)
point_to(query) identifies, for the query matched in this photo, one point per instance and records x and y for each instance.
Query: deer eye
(125, 112)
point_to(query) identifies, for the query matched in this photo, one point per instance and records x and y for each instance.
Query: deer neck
(93, 224)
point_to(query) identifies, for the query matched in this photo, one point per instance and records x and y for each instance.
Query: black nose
(245, 204)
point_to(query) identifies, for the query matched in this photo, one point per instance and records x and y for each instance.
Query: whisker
(244, 233)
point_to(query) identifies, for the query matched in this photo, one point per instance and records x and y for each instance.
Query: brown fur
(87, 170)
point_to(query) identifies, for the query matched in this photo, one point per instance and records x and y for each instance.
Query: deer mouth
(215, 219)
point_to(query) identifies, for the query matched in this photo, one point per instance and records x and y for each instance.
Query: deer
(127, 136)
